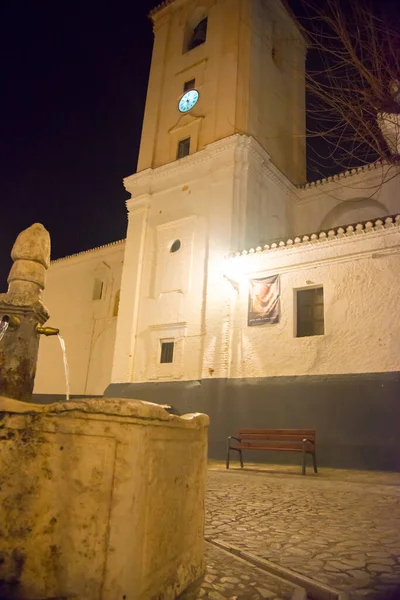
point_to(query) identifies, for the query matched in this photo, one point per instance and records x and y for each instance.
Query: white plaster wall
(367, 194)
(359, 274)
(276, 96)
(168, 295)
(88, 326)
(268, 201)
(211, 202)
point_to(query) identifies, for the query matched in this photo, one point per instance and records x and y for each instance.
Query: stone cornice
(245, 147)
(146, 181)
(137, 204)
(109, 247)
(334, 235)
(363, 179)
(307, 258)
(157, 9)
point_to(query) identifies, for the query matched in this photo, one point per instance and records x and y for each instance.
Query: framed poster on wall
(264, 300)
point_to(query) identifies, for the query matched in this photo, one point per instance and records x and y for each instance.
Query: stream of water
(66, 370)
(3, 329)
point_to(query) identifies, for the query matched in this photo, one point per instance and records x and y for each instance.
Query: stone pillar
(22, 308)
(101, 498)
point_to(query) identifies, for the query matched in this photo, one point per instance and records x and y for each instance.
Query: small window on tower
(310, 312)
(116, 304)
(97, 289)
(167, 352)
(189, 85)
(183, 148)
(199, 34)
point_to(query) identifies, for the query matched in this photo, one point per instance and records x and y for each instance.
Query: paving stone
(379, 568)
(265, 593)
(339, 565)
(390, 577)
(298, 552)
(235, 579)
(358, 574)
(382, 561)
(379, 554)
(214, 595)
(327, 527)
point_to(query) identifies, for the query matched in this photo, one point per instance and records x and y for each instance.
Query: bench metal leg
(241, 458)
(303, 471)
(314, 457)
(227, 456)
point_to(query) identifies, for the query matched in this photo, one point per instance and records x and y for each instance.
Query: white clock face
(188, 100)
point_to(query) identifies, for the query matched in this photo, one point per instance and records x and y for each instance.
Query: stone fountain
(100, 499)
(22, 313)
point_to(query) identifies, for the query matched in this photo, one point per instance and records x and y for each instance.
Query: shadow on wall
(355, 416)
(354, 211)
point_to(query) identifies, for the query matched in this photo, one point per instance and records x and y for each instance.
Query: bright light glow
(234, 271)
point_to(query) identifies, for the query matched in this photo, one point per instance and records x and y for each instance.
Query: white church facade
(240, 290)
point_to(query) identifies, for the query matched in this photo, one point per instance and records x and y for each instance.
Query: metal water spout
(22, 313)
(47, 331)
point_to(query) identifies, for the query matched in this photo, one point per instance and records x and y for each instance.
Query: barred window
(167, 352)
(310, 312)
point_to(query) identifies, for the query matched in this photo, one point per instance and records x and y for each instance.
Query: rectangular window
(97, 289)
(198, 35)
(310, 312)
(189, 85)
(167, 352)
(183, 148)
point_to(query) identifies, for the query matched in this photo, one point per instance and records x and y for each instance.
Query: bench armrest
(310, 441)
(232, 437)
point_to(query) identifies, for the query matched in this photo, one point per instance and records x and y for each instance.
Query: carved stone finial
(31, 256)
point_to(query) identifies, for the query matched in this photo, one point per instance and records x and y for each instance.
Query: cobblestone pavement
(340, 528)
(230, 577)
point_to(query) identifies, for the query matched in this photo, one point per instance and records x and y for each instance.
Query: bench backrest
(281, 435)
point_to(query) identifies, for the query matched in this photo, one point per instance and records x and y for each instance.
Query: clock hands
(188, 101)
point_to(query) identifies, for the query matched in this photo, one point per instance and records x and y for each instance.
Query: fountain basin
(100, 500)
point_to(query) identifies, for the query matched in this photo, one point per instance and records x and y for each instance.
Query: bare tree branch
(353, 83)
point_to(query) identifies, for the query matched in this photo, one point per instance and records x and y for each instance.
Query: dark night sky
(74, 76)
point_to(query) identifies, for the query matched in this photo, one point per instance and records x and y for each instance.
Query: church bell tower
(246, 60)
(223, 135)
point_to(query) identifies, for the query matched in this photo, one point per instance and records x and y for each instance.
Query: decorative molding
(164, 326)
(336, 233)
(172, 224)
(70, 256)
(191, 66)
(143, 182)
(186, 121)
(160, 7)
(379, 164)
(136, 204)
(314, 263)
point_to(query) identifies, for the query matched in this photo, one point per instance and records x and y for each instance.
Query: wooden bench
(289, 440)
